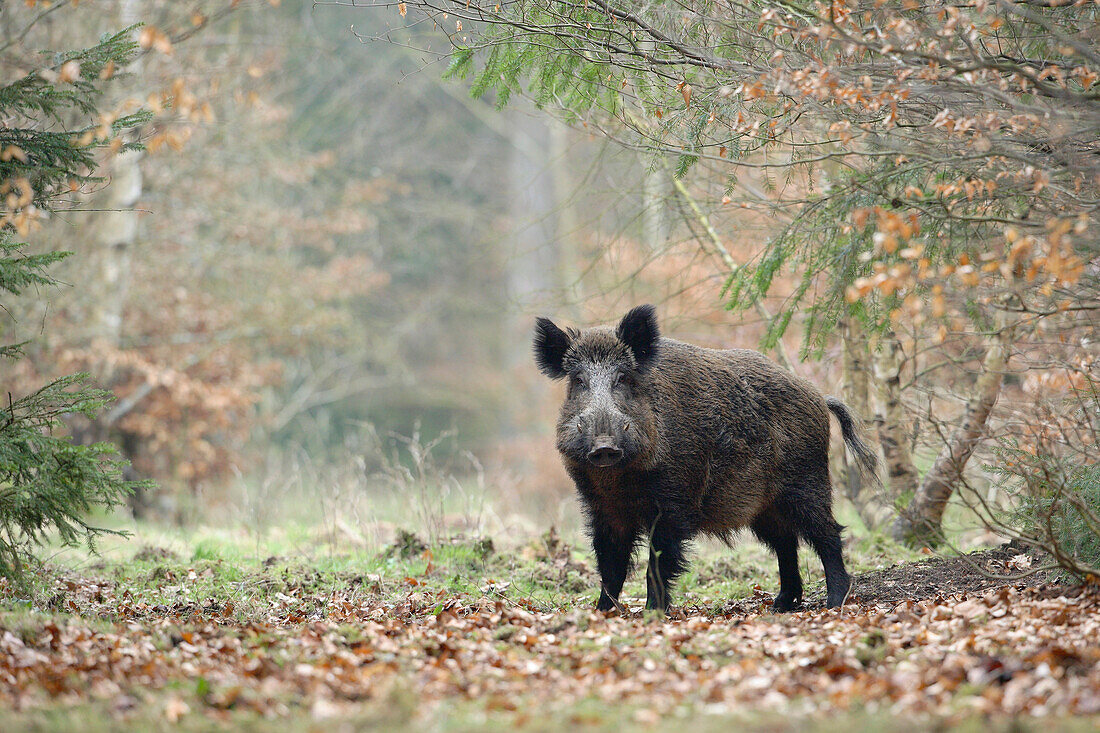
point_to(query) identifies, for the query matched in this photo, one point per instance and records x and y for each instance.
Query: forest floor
(461, 635)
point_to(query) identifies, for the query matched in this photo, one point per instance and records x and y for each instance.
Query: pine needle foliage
(1060, 510)
(47, 483)
(54, 125)
(828, 254)
(41, 146)
(19, 271)
(907, 112)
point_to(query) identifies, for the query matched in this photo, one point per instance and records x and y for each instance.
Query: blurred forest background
(326, 262)
(310, 292)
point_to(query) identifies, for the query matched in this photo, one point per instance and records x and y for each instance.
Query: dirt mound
(934, 578)
(944, 576)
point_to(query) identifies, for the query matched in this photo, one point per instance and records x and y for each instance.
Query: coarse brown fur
(665, 441)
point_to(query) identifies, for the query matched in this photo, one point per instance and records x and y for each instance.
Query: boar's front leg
(773, 531)
(666, 563)
(614, 552)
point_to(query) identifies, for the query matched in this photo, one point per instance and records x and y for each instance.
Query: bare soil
(939, 577)
(935, 579)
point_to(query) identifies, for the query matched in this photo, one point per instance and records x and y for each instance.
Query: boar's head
(607, 420)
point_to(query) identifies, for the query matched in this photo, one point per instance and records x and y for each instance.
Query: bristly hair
(596, 345)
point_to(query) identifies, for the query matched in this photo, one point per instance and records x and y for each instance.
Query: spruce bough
(53, 127)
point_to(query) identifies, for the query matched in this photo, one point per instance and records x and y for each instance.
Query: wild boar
(666, 441)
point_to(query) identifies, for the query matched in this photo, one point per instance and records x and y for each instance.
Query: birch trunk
(109, 272)
(110, 262)
(893, 427)
(921, 521)
(868, 499)
(115, 227)
(856, 394)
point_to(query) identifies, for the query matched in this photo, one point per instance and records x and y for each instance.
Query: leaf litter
(937, 638)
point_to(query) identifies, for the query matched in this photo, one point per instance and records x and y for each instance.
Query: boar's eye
(577, 381)
(621, 379)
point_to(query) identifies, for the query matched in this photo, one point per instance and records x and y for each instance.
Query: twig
(728, 261)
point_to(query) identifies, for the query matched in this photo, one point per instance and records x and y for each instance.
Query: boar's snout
(598, 439)
(605, 452)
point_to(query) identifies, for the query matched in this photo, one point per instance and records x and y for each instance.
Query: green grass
(164, 566)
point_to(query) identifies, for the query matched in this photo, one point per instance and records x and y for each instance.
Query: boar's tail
(865, 456)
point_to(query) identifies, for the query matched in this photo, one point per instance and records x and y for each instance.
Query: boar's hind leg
(614, 552)
(826, 541)
(666, 563)
(814, 516)
(784, 543)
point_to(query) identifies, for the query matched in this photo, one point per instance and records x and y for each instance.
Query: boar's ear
(551, 343)
(638, 330)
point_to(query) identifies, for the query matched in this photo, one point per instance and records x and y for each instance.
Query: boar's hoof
(837, 592)
(607, 603)
(785, 603)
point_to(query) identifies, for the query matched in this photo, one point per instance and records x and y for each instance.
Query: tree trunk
(534, 262)
(108, 269)
(856, 394)
(109, 265)
(868, 499)
(920, 522)
(566, 220)
(901, 473)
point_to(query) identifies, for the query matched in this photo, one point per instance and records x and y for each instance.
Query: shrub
(1058, 508)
